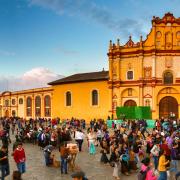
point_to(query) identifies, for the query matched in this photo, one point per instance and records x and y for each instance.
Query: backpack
(142, 174)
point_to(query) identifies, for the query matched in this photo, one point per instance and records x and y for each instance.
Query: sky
(48, 39)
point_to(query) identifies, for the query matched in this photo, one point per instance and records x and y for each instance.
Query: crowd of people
(129, 147)
(46, 133)
(152, 154)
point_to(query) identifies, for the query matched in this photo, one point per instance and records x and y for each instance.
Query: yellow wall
(81, 100)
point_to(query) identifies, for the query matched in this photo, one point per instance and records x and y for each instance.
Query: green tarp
(134, 112)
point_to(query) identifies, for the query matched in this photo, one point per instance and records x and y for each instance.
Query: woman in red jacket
(20, 158)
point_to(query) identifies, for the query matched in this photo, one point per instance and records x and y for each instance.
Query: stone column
(110, 68)
(33, 107)
(140, 96)
(154, 104)
(42, 105)
(153, 66)
(141, 75)
(25, 106)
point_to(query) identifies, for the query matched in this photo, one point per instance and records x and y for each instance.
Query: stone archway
(168, 105)
(130, 103)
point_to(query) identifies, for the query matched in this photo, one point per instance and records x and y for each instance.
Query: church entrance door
(130, 103)
(167, 106)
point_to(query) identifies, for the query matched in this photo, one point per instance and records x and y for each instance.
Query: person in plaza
(64, 153)
(136, 148)
(104, 151)
(149, 144)
(91, 141)
(169, 140)
(166, 148)
(41, 138)
(147, 169)
(116, 170)
(20, 158)
(124, 159)
(47, 155)
(175, 156)
(79, 136)
(5, 138)
(4, 162)
(53, 138)
(113, 155)
(162, 165)
(99, 136)
(132, 161)
(155, 153)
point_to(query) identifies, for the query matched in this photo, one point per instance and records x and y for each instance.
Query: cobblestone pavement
(36, 170)
(90, 164)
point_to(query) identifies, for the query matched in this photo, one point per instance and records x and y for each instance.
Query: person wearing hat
(20, 158)
(146, 166)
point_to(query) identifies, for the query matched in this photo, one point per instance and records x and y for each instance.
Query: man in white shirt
(79, 136)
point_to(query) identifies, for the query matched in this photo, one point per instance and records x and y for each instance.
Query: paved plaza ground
(90, 164)
(36, 170)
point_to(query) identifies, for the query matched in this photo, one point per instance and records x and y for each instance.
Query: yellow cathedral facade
(146, 73)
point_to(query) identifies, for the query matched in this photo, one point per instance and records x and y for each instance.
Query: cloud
(35, 78)
(91, 10)
(6, 53)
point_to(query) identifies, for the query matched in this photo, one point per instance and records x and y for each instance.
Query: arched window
(94, 97)
(168, 78)
(47, 106)
(13, 101)
(29, 106)
(13, 113)
(38, 106)
(6, 102)
(68, 98)
(21, 101)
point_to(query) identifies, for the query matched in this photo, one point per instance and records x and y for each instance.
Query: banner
(134, 112)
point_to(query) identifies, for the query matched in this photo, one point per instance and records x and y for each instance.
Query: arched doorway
(130, 103)
(168, 105)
